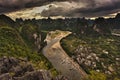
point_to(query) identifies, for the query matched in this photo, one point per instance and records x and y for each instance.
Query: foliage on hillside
(104, 48)
(6, 21)
(12, 44)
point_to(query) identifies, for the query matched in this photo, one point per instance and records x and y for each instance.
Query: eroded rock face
(5, 76)
(20, 69)
(34, 75)
(16, 66)
(90, 60)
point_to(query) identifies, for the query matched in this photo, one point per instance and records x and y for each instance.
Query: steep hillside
(17, 40)
(6, 21)
(97, 55)
(12, 44)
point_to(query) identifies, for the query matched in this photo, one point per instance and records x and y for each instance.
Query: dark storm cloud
(12, 5)
(66, 8)
(90, 8)
(100, 10)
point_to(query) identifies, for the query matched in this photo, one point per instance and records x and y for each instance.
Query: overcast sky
(63, 8)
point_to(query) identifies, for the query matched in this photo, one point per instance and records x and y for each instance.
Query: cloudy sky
(59, 8)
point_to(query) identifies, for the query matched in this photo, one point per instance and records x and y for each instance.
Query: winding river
(60, 60)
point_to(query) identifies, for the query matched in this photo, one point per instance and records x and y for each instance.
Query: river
(60, 60)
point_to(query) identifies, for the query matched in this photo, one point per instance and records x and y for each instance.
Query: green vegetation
(26, 31)
(98, 44)
(96, 76)
(12, 44)
(105, 47)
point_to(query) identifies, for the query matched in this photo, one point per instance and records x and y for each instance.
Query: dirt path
(60, 60)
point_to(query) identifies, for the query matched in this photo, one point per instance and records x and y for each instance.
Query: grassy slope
(12, 44)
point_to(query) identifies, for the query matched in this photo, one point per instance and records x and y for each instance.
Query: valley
(59, 49)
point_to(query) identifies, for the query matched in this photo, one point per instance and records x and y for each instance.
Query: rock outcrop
(20, 69)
